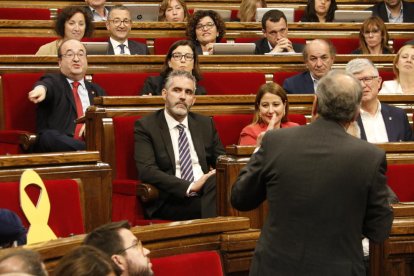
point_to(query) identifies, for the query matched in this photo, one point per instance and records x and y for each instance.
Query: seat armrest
(147, 192)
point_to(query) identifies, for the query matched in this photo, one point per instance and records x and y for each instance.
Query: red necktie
(79, 109)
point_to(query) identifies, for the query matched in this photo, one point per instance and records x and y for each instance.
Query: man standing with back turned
(325, 190)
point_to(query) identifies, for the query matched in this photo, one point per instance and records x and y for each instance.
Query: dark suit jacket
(58, 110)
(155, 84)
(380, 10)
(325, 189)
(262, 47)
(154, 154)
(359, 51)
(396, 123)
(299, 84)
(136, 48)
(411, 42)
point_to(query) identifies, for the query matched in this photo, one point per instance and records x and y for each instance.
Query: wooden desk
(95, 176)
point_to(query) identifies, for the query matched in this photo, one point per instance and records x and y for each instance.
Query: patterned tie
(79, 109)
(186, 164)
(122, 46)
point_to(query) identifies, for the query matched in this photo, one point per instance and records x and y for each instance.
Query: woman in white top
(404, 72)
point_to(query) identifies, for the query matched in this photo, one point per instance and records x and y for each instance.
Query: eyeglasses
(136, 244)
(117, 21)
(71, 55)
(367, 80)
(207, 26)
(179, 56)
(371, 32)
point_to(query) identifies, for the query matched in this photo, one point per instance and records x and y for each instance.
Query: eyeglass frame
(187, 56)
(373, 32)
(126, 22)
(368, 80)
(208, 26)
(137, 244)
(80, 54)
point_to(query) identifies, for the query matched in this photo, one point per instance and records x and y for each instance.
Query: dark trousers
(52, 141)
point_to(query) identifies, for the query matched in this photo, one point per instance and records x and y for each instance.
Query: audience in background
(62, 98)
(271, 109)
(116, 240)
(378, 122)
(404, 72)
(85, 260)
(119, 26)
(319, 11)
(204, 28)
(97, 10)
(22, 261)
(394, 11)
(182, 55)
(173, 11)
(318, 55)
(373, 37)
(247, 10)
(72, 23)
(275, 32)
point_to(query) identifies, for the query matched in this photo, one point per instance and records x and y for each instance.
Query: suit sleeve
(218, 148)
(408, 131)
(147, 162)
(287, 86)
(378, 216)
(149, 87)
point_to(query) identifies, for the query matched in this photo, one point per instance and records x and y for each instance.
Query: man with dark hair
(318, 55)
(118, 242)
(275, 32)
(23, 261)
(119, 26)
(176, 151)
(97, 10)
(61, 99)
(12, 231)
(394, 11)
(325, 189)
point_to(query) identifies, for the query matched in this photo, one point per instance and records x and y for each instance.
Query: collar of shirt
(115, 45)
(97, 16)
(397, 19)
(172, 123)
(270, 46)
(81, 82)
(314, 81)
(367, 114)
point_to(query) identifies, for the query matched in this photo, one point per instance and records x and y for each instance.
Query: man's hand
(82, 131)
(38, 94)
(198, 185)
(283, 45)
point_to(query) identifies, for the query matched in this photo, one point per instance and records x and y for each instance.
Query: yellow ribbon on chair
(38, 216)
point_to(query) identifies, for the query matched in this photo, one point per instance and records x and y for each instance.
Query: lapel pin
(390, 118)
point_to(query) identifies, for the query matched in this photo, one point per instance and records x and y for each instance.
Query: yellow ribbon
(38, 216)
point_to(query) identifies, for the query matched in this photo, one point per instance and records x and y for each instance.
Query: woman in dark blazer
(373, 38)
(182, 55)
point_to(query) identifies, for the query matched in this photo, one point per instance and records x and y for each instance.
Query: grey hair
(118, 8)
(339, 95)
(179, 73)
(357, 65)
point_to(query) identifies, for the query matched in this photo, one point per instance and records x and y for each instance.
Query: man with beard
(175, 150)
(319, 56)
(394, 11)
(125, 250)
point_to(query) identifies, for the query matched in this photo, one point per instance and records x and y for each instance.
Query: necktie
(122, 46)
(186, 164)
(79, 109)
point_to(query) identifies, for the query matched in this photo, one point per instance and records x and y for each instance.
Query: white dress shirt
(397, 19)
(374, 126)
(117, 49)
(97, 17)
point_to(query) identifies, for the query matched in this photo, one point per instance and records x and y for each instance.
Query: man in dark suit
(97, 10)
(119, 26)
(318, 55)
(58, 104)
(378, 122)
(275, 32)
(394, 11)
(175, 150)
(325, 189)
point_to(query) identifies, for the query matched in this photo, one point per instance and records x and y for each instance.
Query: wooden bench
(95, 178)
(230, 236)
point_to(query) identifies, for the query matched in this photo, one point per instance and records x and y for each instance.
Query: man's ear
(315, 109)
(164, 93)
(107, 24)
(119, 261)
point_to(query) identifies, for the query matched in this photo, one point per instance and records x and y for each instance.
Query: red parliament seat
(232, 83)
(163, 44)
(65, 218)
(398, 43)
(400, 179)
(279, 77)
(345, 45)
(24, 14)
(22, 45)
(121, 84)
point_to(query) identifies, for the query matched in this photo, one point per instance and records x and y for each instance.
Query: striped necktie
(186, 164)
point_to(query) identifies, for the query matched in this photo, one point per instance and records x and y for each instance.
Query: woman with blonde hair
(373, 37)
(247, 11)
(404, 72)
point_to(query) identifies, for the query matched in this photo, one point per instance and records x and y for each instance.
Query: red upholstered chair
(22, 45)
(19, 115)
(125, 203)
(163, 44)
(204, 263)
(345, 45)
(229, 127)
(232, 83)
(400, 178)
(24, 14)
(297, 118)
(65, 218)
(386, 75)
(121, 84)
(298, 14)
(279, 77)
(398, 43)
